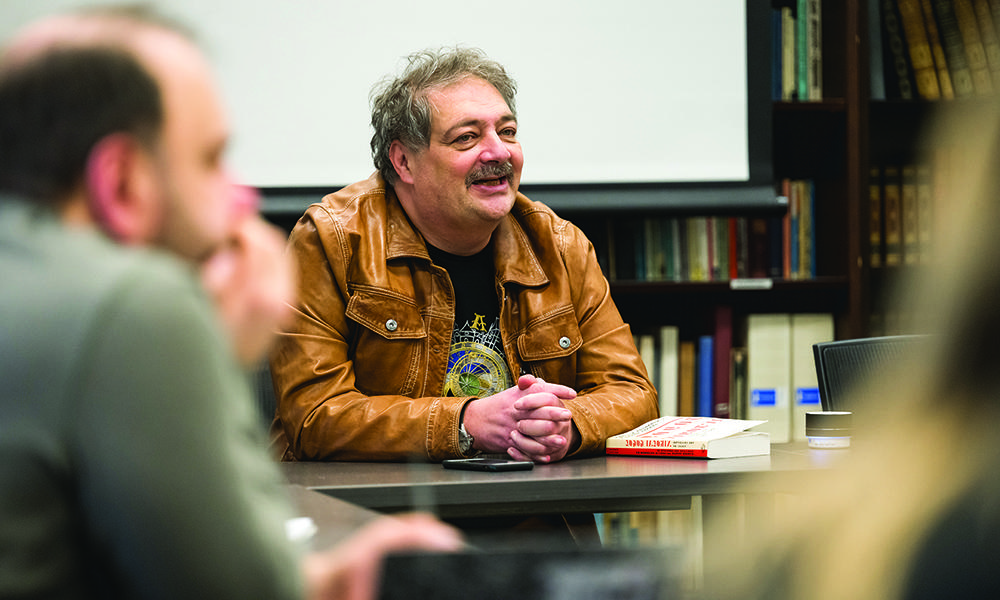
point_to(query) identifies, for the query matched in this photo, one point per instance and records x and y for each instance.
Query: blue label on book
(764, 397)
(807, 396)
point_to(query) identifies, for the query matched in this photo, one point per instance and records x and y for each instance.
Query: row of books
(769, 375)
(934, 49)
(902, 200)
(797, 52)
(713, 248)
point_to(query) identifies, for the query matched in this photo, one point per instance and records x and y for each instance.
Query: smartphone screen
(488, 464)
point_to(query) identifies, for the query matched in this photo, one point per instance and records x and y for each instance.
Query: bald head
(117, 26)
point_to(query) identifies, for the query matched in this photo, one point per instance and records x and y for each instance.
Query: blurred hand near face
(351, 570)
(251, 280)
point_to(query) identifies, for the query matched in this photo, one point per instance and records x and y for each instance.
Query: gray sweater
(132, 463)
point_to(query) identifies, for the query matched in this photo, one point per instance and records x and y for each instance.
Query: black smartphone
(488, 464)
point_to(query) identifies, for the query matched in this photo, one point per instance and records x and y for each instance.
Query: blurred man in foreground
(138, 281)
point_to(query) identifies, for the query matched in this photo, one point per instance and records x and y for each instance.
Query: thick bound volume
(696, 437)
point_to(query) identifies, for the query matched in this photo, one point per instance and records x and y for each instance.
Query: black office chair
(841, 365)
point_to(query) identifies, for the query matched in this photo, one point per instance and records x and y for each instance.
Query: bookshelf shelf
(701, 287)
(638, 300)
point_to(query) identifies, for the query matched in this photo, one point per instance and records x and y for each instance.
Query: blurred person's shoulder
(58, 272)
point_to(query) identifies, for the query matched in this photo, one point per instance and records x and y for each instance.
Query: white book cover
(807, 329)
(667, 379)
(769, 373)
(646, 344)
(697, 437)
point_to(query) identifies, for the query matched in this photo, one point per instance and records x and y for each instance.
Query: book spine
(786, 229)
(925, 210)
(676, 250)
(807, 250)
(667, 370)
(807, 329)
(646, 344)
(789, 63)
(757, 247)
(988, 33)
(734, 247)
(965, 15)
(722, 347)
(910, 212)
(937, 50)
(815, 51)
(875, 217)
(721, 250)
(896, 58)
(802, 50)
(738, 396)
(791, 189)
(921, 59)
(710, 249)
(697, 231)
(686, 377)
(891, 196)
(705, 379)
(654, 251)
(954, 48)
(876, 67)
(769, 373)
(776, 248)
(742, 247)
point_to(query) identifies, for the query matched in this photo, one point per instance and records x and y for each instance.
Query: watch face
(464, 440)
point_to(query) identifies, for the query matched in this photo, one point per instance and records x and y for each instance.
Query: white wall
(609, 90)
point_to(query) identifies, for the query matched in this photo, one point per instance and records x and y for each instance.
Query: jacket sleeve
(614, 390)
(322, 413)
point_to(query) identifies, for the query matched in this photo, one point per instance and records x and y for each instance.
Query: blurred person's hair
(57, 103)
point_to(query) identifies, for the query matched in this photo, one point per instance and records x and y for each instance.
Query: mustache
(492, 171)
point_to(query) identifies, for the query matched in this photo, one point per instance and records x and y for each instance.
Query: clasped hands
(528, 421)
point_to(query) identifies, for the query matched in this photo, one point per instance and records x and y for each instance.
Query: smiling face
(457, 190)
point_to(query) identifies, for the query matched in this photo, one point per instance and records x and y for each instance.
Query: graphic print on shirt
(476, 365)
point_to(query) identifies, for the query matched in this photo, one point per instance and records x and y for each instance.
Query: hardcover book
(697, 437)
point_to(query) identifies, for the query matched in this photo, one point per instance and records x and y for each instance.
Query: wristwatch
(465, 440)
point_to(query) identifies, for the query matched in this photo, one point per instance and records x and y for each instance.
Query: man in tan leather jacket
(442, 313)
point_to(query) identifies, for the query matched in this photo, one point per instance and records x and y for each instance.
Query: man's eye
(508, 132)
(464, 138)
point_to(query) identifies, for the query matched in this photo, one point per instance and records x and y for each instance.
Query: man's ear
(399, 156)
(121, 192)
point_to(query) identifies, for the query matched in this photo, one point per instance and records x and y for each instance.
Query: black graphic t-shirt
(476, 363)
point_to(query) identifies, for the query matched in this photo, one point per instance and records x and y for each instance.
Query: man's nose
(494, 149)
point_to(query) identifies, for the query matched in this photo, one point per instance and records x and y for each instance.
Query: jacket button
(564, 342)
(391, 325)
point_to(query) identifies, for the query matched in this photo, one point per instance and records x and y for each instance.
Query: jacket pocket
(387, 315)
(388, 349)
(553, 335)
